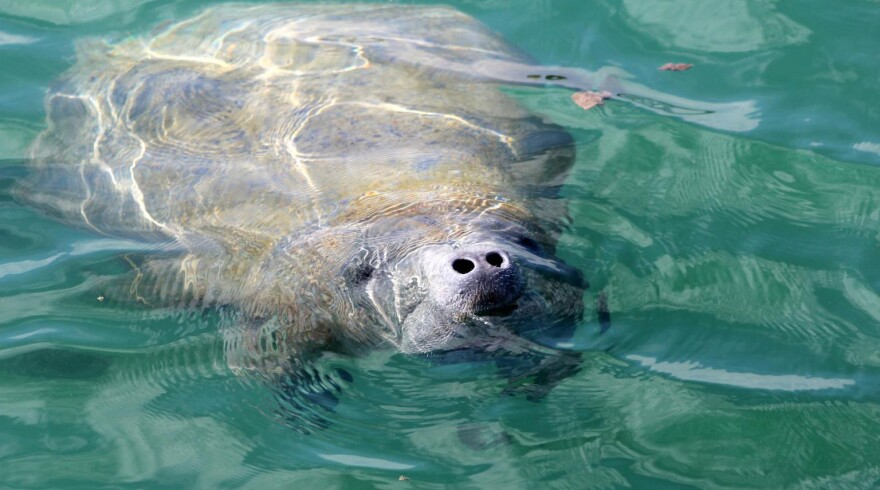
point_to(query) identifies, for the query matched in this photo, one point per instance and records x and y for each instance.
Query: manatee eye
(528, 244)
(362, 274)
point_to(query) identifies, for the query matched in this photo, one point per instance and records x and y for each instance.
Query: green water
(739, 255)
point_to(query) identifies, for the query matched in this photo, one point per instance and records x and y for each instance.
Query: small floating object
(403, 478)
(547, 77)
(676, 67)
(589, 99)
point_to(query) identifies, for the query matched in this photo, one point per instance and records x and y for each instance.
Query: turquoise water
(738, 252)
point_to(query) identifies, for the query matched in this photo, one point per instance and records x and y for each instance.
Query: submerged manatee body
(332, 174)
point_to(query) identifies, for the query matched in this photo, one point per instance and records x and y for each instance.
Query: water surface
(738, 252)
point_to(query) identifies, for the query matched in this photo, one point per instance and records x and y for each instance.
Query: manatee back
(253, 121)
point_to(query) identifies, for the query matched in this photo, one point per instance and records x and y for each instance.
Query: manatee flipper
(603, 313)
(304, 389)
(480, 436)
(176, 279)
(305, 397)
(147, 280)
(534, 375)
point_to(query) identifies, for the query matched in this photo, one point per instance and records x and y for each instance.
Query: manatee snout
(477, 294)
(477, 279)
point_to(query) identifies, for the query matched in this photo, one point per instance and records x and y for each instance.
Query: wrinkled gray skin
(332, 174)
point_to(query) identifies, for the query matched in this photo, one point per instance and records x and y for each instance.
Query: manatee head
(477, 290)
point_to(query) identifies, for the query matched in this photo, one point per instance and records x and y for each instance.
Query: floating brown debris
(676, 67)
(589, 99)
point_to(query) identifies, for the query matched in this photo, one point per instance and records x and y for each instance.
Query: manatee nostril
(462, 266)
(494, 259)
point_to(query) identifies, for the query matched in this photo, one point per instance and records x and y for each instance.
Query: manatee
(333, 178)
